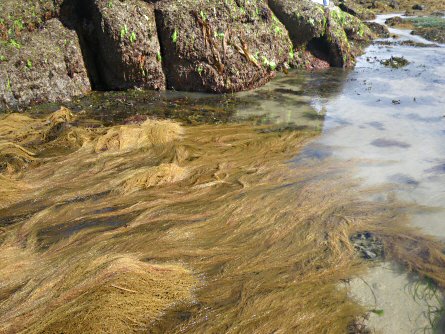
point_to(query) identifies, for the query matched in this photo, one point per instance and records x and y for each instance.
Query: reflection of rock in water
(114, 231)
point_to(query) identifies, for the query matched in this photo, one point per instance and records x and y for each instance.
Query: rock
(369, 255)
(436, 34)
(394, 21)
(18, 16)
(43, 67)
(356, 10)
(120, 42)
(368, 245)
(395, 62)
(394, 4)
(305, 20)
(325, 34)
(438, 14)
(418, 7)
(220, 46)
(346, 35)
(57, 49)
(379, 29)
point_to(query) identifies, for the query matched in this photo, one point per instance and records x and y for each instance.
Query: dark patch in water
(403, 179)
(53, 234)
(418, 118)
(284, 128)
(106, 210)
(313, 116)
(368, 245)
(81, 199)
(377, 125)
(289, 91)
(438, 169)
(382, 142)
(320, 152)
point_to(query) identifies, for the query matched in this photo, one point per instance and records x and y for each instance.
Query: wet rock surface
(207, 46)
(355, 9)
(395, 62)
(219, 47)
(379, 29)
(42, 67)
(429, 27)
(122, 41)
(330, 35)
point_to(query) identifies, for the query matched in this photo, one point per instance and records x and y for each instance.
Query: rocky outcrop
(304, 19)
(378, 29)
(42, 67)
(121, 42)
(208, 46)
(356, 10)
(220, 46)
(328, 34)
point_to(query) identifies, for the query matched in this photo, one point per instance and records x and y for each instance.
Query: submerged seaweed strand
(156, 227)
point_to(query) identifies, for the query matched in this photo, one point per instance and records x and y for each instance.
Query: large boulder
(331, 35)
(120, 41)
(42, 67)
(304, 19)
(220, 46)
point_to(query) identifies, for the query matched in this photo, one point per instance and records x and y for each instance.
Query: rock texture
(57, 49)
(351, 7)
(330, 35)
(378, 29)
(220, 46)
(123, 40)
(41, 67)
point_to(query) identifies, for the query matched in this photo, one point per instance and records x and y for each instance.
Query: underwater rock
(395, 62)
(368, 245)
(46, 66)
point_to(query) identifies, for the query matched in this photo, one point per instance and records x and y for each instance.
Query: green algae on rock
(43, 66)
(218, 46)
(328, 34)
(189, 45)
(120, 43)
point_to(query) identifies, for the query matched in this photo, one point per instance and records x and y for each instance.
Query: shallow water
(241, 216)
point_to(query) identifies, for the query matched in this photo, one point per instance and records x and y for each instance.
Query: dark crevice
(319, 48)
(159, 25)
(79, 15)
